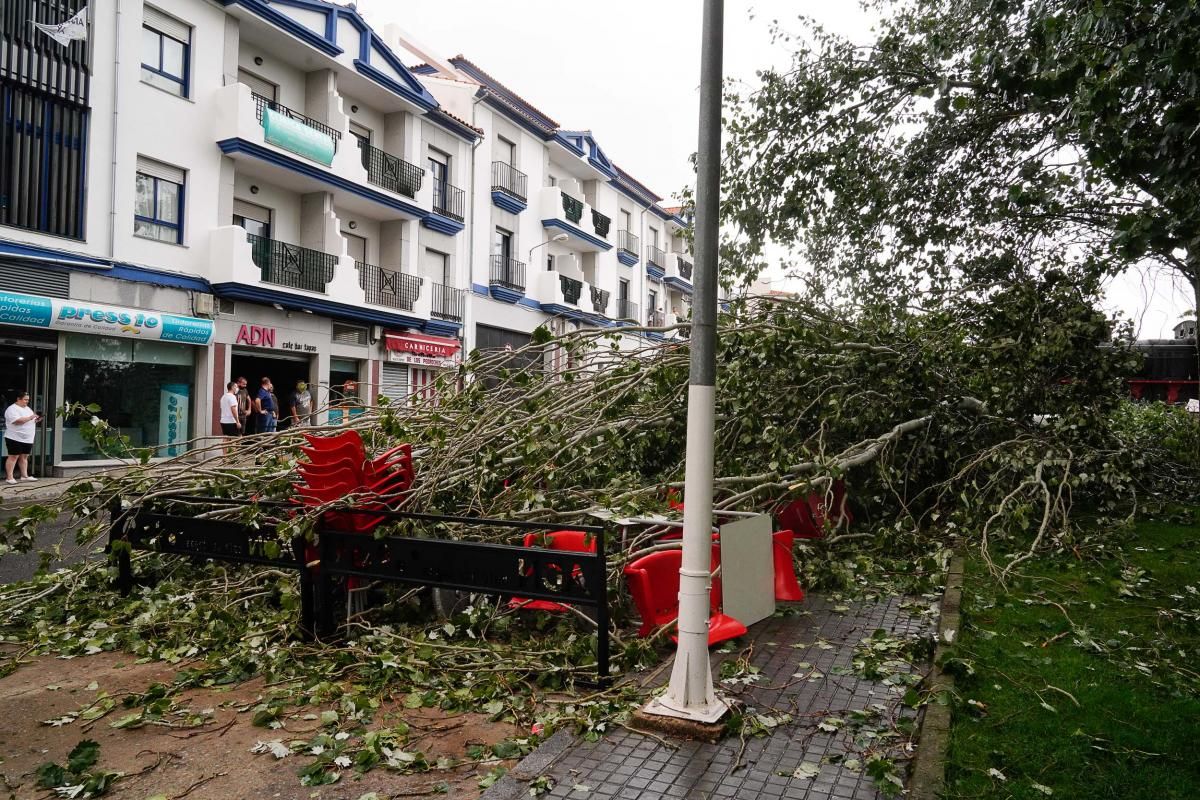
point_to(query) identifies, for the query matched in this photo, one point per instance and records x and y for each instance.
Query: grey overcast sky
(628, 70)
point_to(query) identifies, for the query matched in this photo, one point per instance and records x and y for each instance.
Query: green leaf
(85, 754)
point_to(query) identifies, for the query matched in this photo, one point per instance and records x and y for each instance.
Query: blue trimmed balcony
(564, 213)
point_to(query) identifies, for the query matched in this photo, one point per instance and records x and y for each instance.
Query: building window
(623, 289)
(626, 221)
(653, 303)
(166, 43)
(363, 135)
(506, 151)
(143, 388)
(502, 244)
(654, 237)
(255, 219)
(356, 247)
(158, 206)
(436, 267)
(259, 86)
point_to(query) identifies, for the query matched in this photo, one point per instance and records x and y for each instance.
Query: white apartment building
(207, 189)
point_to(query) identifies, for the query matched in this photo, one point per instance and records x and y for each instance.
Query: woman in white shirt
(231, 424)
(20, 426)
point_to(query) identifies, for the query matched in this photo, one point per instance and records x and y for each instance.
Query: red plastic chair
(653, 582)
(810, 517)
(786, 585)
(576, 541)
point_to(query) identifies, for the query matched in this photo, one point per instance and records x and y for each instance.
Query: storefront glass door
(31, 369)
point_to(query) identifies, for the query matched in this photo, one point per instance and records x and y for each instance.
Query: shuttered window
(158, 203)
(349, 334)
(393, 383)
(166, 52)
(260, 87)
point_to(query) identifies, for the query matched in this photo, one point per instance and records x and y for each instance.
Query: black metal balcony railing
(448, 302)
(655, 256)
(448, 199)
(391, 172)
(508, 179)
(388, 287)
(291, 265)
(628, 242)
(572, 208)
(261, 104)
(626, 308)
(508, 272)
(600, 223)
(685, 269)
(654, 319)
(600, 300)
(571, 289)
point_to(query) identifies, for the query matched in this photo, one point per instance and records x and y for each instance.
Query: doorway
(283, 370)
(29, 366)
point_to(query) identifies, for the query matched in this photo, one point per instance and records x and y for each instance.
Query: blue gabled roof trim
(307, 35)
(627, 258)
(239, 145)
(423, 69)
(583, 144)
(330, 308)
(369, 42)
(573, 231)
(442, 224)
(454, 126)
(507, 97)
(498, 104)
(506, 202)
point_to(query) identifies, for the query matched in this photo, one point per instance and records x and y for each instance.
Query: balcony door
(439, 170)
(356, 246)
(502, 244)
(261, 87)
(255, 219)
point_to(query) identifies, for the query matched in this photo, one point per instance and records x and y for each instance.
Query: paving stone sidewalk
(801, 656)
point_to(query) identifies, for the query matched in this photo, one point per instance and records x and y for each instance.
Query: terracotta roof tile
(508, 96)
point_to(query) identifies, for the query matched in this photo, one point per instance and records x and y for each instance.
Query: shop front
(138, 366)
(412, 363)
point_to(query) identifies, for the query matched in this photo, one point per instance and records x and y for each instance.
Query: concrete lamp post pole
(690, 694)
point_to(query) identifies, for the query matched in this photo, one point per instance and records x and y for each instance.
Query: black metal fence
(261, 104)
(533, 573)
(628, 242)
(391, 172)
(388, 287)
(601, 223)
(291, 265)
(508, 272)
(626, 309)
(572, 208)
(448, 302)
(571, 289)
(600, 300)
(510, 180)
(448, 200)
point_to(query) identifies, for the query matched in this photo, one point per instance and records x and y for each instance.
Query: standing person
(21, 425)
(265, 407)
(231, 425)
(245, 408)
(281, 414)
(300, 405)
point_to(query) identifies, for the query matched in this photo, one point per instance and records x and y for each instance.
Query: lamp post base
(707, 714)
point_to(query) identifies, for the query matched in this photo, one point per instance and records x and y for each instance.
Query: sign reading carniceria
(34, 311)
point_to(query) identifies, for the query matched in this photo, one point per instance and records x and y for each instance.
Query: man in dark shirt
(265, 406)
(245, 408)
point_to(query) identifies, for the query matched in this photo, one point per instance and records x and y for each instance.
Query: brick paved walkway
(803, 660)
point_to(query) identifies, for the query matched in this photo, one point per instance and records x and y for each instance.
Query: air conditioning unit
(203, 304)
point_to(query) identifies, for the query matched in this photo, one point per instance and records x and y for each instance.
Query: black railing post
(324, 598)
(602, 668)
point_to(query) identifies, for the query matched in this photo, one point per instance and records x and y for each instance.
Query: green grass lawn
(1103, 705)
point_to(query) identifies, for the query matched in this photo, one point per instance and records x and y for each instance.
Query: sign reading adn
(423, 351)
(72, 315)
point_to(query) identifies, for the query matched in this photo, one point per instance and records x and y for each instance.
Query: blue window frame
(158, 209)
(165, 61)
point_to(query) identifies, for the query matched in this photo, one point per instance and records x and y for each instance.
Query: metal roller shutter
(153, 18)
(393, 383)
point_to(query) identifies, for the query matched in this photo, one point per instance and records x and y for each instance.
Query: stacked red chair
(338, 467)
(576, 541)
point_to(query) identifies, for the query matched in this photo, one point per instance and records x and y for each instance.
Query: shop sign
(262, 336)
(423, 351)
(290, 134)
(80, 317)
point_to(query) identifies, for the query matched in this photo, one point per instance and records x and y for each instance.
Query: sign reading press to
(73, 315)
